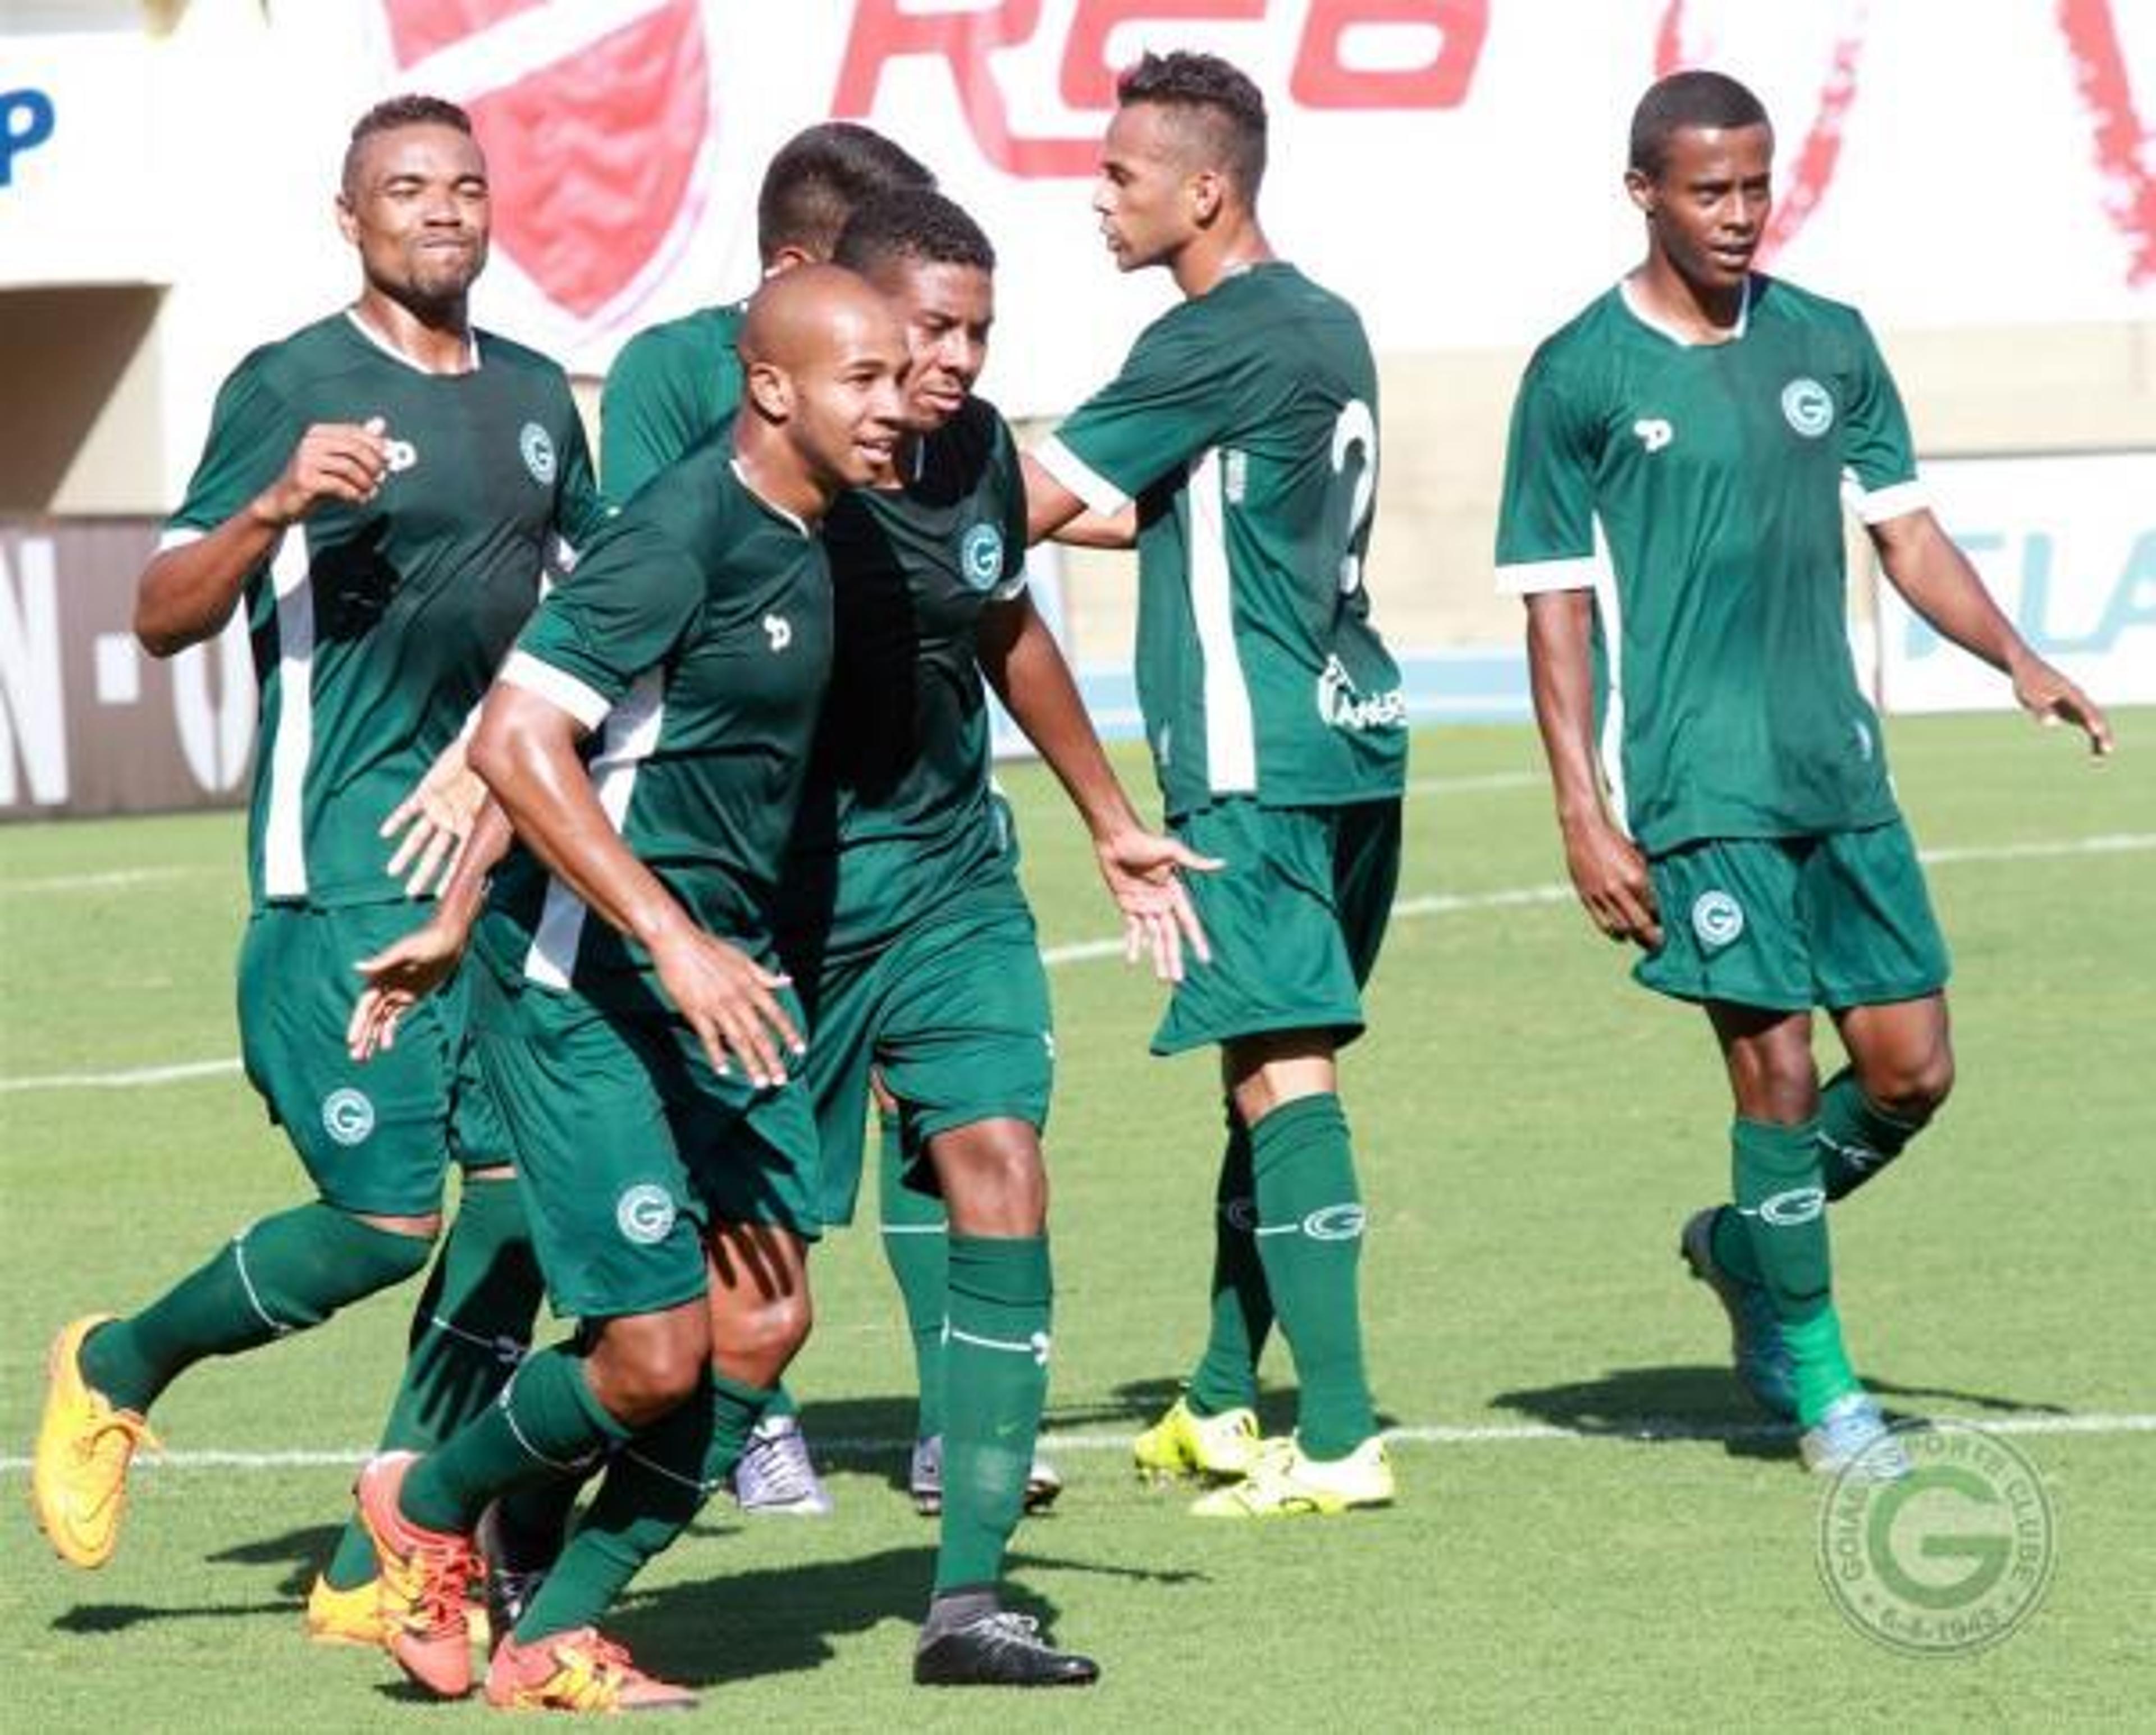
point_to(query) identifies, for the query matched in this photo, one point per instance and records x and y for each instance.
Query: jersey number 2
(1356, 427)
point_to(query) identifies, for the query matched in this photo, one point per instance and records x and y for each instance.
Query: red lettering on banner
(2123, 146)
(1321, 79)
(1088, 81)
(883, 33)
(1675, 50)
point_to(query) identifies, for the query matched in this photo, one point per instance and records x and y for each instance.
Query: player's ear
(347, 218)
(787, 257)
(1640, 189)
(1206, 190)
(770, 388)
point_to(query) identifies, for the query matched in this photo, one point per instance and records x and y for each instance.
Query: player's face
(1707, 209)
(418, 211)
(1142, 196)
(947, 311)
(850, 407)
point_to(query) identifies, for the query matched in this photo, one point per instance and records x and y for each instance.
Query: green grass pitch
(1532, 1129)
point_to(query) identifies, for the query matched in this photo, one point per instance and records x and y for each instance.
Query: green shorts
(378, 1137)
(1295, 920)
(628, 1145)
(953, 1013)
(1787, 924)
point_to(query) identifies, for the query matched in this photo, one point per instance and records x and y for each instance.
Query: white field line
(1430, 904)
(1618, 1431)
(102, 882)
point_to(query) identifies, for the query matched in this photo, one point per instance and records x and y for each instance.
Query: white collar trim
(1633, 306)
(768, 504)
(389, 349)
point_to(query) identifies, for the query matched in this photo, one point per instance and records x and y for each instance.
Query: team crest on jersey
(347, 1116)
(1718, 919)
(1654, 432)
(981, 557)
(1806, 407)
(644, 1213)
(538, 452)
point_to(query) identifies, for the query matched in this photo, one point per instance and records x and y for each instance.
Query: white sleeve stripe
(1528, 578)
(1876, 506)
(559, 688)
(179, 536)
(1075, 473)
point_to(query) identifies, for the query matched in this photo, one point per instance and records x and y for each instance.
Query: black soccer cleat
(998, 1649)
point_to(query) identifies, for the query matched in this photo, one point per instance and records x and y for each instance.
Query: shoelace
(599, 1671)
(1012, 1628)
(775, 1462)
(441, 1575)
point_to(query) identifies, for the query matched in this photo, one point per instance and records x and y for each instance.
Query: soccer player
(379, 491)
(648, 738)
(673, 386)
(1244, 425)
(1680, 455)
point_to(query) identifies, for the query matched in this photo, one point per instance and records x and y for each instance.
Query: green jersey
(671, 387)
(897, 813)
(693, 643)
(1697, 490)
(1245, 424)
(376, 627)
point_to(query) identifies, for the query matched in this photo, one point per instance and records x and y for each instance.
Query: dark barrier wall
(88, 724)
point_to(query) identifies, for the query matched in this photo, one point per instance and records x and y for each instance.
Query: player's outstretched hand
(435, 818)
(2052, 699)
(334, 461)
(1610, 876)
(398, 977)
(726, 997)
(1143, 871)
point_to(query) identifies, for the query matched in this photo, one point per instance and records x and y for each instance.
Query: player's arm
(188, 592)
(1936, 579)
(1051, 509)
(1140, 867)
(1607, 871)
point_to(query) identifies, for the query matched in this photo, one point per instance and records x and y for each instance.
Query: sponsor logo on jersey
(1807, 407)
(1787, 1211)
(981, 557)
(1334, 1222)
(643, 1213)
(1340, 704)
(538, 452)
(1654, 432)
(400, 455)
(347, 1116)
(779, 631)
(1717, 918)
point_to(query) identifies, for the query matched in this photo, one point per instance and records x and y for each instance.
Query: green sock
(471, 1328)
(995, 1359)
(545, 1423)
(284, 1274)
(1310, 1236)
(915, 1230)
(653, 1487)
(1226, 1377)
(1777, 1184)
(1857, 1138)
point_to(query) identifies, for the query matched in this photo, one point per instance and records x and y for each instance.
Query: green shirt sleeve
(252, 432)
(1010, 479)
(667, 392)
(580, 511)
(1878, 453)
(1546, 513)
(1171, 401)
(636, 593)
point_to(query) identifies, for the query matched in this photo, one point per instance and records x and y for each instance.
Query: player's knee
(994, 1180)
(1915, 1091)
(768, 1335)
(644, 1367)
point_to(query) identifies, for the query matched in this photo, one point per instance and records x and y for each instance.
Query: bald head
(824, 360)
(808, 312)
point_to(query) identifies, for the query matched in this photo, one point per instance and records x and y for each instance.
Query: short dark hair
(1220, 96)
(914, 222)
(819, 177)
(1686, 99)
(395, 111)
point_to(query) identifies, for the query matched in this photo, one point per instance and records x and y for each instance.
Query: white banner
(1451, 166)
(2067, 543)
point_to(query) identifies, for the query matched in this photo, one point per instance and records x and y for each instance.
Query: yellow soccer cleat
(576, 1670)
(1185, 1443)
(1286, 1485)
(79, 1477)
(345, 1617)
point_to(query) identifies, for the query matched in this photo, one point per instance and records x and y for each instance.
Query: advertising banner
(2067, 543)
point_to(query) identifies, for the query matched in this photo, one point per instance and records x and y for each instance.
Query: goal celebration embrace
(688, 853)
